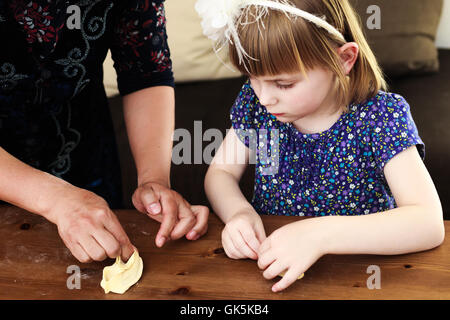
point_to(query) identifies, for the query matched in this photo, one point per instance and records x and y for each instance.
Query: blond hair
(278, 44)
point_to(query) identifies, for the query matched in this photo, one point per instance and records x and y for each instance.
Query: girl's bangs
(273, 53)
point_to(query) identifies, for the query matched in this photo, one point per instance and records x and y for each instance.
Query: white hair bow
(220, 19)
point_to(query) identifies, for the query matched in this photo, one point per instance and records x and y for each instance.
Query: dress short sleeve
(248, 116)
(139, 46)
(393, 129)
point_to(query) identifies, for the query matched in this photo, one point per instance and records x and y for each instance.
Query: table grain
(34, 264)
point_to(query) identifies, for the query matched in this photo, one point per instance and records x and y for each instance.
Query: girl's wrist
(322, 232)
(246, 210)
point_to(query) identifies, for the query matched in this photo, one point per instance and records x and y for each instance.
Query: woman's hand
(243, 235)
(87, 225)
(177, 216)
(292, 249)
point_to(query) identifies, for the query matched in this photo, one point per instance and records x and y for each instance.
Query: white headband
(221, 17)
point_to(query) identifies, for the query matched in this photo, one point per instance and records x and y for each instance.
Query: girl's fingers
(250, 239)
(265, 259)
(275, 269)
(265, 245)
(229, 248)
(241, 246)
(260, 232)
(289, 278)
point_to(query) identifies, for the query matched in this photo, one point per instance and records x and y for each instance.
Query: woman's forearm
(150, 120)
(224, 194)
(398, 231)
(25, 186)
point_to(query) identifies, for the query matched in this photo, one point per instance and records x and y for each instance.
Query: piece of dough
(299, 277)
(119, 277)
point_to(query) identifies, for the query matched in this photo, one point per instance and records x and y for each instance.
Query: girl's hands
(87, 225)
(243, 234)
(292, 248)
(176, 215)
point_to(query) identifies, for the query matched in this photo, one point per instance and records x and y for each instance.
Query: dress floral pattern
(36, 21)
(335, 172)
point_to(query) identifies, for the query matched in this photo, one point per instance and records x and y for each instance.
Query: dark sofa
(210, 101)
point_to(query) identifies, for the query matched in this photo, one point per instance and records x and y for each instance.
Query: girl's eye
(284, 86)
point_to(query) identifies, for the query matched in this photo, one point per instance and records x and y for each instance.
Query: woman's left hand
(177, 216)
(292, 249)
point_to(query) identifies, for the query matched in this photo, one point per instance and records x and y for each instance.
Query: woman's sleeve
(139, 46)
(393, 130)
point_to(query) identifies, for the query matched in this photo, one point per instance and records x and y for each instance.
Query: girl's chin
(285, 118)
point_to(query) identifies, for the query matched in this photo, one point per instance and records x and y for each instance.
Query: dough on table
(119, 277)
(299, 277)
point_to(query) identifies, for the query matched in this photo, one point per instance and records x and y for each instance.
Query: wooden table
(34, 262)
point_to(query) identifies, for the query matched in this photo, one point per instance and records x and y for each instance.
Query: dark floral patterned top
(339, 171)
(54, 112)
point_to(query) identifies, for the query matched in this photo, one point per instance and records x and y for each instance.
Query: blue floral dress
(54, 111)
(336, 172)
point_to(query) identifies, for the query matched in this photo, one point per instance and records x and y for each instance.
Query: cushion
(192, 54)
(405, 44)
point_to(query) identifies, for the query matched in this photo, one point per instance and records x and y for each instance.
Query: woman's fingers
(114, 228)
(201, 225)
(186, 220)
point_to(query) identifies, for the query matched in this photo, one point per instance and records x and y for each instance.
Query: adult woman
(58, 156)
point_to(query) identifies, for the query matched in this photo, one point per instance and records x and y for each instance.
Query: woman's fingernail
(192, 235)
(155, 208)
(160, 241)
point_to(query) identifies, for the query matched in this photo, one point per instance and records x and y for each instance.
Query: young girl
(348, 152)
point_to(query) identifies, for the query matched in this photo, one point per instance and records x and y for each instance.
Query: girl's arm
(223, 176)
(244, 230)
(415, 225)
(149, 116)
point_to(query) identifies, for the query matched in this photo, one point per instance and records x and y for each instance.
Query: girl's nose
(266, 98)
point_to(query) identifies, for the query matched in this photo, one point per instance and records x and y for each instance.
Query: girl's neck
(323, 118)
(317, 123)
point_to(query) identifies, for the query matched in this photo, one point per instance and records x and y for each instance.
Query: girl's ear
(348, 53)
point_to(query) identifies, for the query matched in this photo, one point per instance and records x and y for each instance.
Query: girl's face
(291, 97)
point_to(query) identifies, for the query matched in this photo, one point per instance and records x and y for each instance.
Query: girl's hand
(87, 225)
(243, 235)
(177, 216)
(292, 248)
